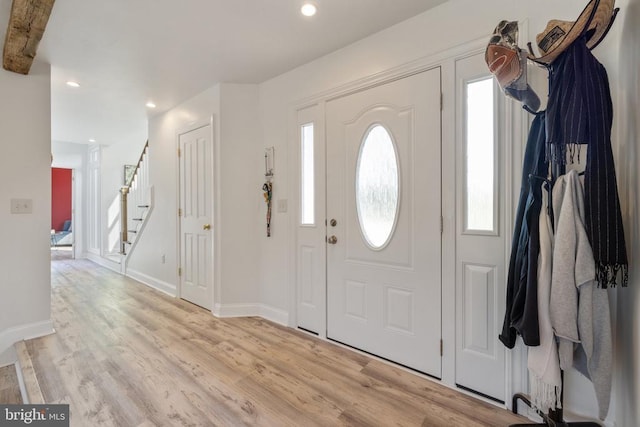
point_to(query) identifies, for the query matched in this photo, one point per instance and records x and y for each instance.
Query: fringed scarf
(580, 111)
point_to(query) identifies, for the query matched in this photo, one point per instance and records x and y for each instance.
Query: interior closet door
(196, 216)
(384, 213)
(481, 237)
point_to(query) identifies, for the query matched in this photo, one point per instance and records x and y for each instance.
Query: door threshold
(486, 396)
(393, 362)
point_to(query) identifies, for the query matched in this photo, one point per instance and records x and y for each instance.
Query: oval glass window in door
(377, 187)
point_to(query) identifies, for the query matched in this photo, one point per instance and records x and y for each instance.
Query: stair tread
(10, 393)
(32, 387)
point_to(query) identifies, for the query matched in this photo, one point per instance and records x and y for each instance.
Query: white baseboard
(235, 310)
(104, 262)
(248, 310)
(12, 335)
(152, 282)
(276, 315)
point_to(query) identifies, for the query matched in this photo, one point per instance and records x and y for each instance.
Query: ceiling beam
(26, 27)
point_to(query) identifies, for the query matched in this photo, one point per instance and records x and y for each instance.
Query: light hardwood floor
(9, 386)
(126, 355)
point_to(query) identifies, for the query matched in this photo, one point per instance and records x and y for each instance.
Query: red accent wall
(60, 197)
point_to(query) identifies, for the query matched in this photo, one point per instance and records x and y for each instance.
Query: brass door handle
(332, 240)
(206, 227)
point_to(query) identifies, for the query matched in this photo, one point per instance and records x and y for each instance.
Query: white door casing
(480, 243)
(76, 235)
(385, 297)
(196, 216)
(94, 203)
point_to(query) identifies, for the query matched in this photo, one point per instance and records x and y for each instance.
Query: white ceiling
(126, 52)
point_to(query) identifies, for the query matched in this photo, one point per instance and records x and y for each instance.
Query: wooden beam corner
(26, 27)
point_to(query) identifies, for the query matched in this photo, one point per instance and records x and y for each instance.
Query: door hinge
(441, 101)
(179, 152)
(441, 348)
(179, 271)
(441, 224)
(180, 212)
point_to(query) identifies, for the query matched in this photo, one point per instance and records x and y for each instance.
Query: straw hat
(558, 35)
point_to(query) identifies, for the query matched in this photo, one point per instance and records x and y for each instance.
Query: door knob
(206, 227)
(332, 240)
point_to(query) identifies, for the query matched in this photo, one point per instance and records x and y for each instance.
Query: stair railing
(135, 187)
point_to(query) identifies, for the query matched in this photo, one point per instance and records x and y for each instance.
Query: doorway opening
(62, 237)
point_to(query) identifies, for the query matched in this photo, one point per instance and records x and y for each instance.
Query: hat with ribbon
(508, 63)
(594, 21)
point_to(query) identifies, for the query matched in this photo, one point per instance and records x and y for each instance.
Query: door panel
(480, 230)
(384, 291)
(196, 249)
(310, 247)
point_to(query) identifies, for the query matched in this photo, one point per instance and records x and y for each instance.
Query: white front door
(196, 230)
(480, 230)
(384, 221)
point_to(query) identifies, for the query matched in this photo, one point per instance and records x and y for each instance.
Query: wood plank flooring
(126, 355)
(9, 386)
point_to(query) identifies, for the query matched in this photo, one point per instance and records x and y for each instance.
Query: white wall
(160, 233)
(237, 193)
(25, 170)
(239, 156)
(68, 155)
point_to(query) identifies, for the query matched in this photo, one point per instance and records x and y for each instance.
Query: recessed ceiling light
(150, 104)
(73, 84)
(92, 140)
(308, 9)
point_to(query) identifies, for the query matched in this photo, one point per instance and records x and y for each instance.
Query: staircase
(136, 203)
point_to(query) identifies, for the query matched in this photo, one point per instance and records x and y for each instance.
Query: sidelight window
(307, 166)
(480, 149)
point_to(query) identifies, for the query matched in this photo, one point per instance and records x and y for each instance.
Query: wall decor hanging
(267, 187)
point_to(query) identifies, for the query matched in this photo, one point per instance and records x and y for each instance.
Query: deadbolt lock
(333, 222)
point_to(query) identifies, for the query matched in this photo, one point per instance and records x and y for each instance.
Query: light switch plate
(21, 206)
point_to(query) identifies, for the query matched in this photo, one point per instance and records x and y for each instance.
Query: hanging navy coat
(521, 315)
